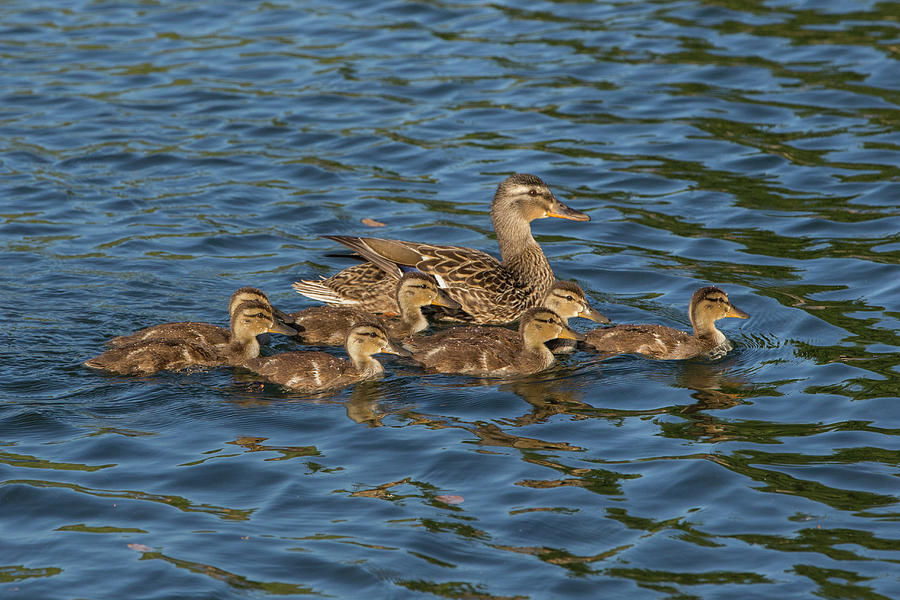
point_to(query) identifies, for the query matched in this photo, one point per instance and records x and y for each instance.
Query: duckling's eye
(570, 298)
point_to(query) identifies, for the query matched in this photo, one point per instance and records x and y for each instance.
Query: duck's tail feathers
(316, 290)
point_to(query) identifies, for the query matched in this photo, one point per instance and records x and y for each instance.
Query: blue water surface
(155, 156)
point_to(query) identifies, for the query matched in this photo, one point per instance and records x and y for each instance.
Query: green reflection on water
(11, 573)
(453, 589)
(31, 462)
(233, 580)
(81, 527)
(183, 504)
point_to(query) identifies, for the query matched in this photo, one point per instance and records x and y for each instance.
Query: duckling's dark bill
(564, 212)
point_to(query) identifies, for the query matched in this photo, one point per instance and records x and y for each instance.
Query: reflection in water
(233, 580)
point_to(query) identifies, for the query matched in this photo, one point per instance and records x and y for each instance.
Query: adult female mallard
(708, 305)
(318, 371)
(483, 352)
(202, 333)
(329, 325)
(489, 291)
(183, 350)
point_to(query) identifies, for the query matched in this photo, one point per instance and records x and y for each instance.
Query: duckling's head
(566, 298)
(367, 339)
(527, 197)
(254, 317)
(708, 305)
(417, 289)
(246, 294)
(539, 325)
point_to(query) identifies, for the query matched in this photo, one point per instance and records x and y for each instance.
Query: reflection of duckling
(317, 371)
(481, 351)
(202, 333)
(331, 324)
(182, 349)
(490, 291)
(708, 305)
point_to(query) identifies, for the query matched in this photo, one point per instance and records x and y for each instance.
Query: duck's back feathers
(188, 331)
(151, 356)
(302, 370)
(655, 341)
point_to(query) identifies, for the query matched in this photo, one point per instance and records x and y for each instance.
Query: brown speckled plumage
(183, 350)
(191, 331)
(317, 371)
(329, 325)
(484, 352)
(489, 291)
(707, 305)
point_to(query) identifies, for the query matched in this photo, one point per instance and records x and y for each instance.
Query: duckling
(201, 333)
(318, 371)
(179, 352)
(708, 304)
(490, 291)
(565, 298)
(329, 325)
(484, 352)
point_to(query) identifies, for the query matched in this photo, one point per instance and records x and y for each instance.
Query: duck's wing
(655, 341)
(364, 286)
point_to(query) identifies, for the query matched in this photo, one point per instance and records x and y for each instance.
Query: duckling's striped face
(365, 340)
(543, 325)
(710, 304)
(567, 300)
(246, 294)
(422, 290)
(252, 317)
(530, 197)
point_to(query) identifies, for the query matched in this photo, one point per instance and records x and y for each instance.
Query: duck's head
(708, 305)
(367, 339)
(567, 299)
(418, 289)
(254, 317)
(539, 325)
(246, 294)
(529, 198)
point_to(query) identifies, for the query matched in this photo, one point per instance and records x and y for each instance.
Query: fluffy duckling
(201, 333)
(484, 351)
(178, 352)
(318, 371)
(490, 291)
(329, 325)
(565, 298)
(708, 304)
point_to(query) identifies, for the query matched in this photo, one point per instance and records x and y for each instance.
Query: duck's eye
(570, 298)
(532, 192)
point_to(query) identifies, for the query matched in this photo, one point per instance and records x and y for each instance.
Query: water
(156, 156)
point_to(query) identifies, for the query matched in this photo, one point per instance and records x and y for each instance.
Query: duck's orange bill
(734, 311)
(561, 211)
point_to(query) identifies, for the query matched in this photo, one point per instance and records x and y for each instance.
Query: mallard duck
(182, 349)
(329, 325)
(484, 352)
(565, 298)
(317, 371)
(489, 291)
(202, 333)
(708, 305)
